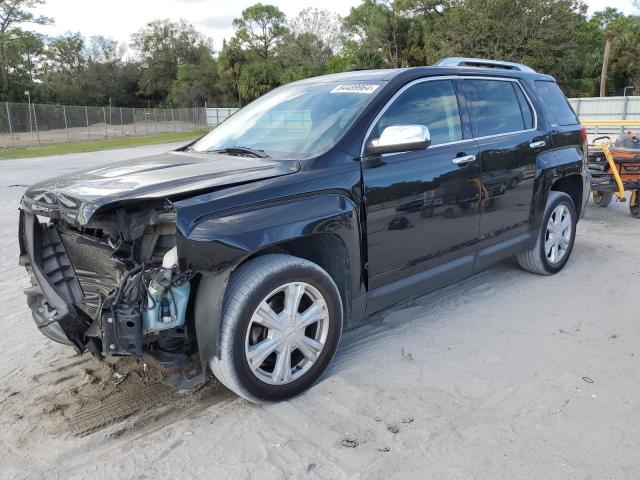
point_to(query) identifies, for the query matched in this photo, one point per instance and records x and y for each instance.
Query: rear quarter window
(555, 102)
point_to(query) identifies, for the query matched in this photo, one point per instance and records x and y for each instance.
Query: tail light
(583, 134)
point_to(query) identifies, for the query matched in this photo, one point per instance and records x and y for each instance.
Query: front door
(421, 206)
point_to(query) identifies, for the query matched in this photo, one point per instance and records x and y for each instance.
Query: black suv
(318, 204)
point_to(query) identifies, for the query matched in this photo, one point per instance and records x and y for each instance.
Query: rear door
(504, 123)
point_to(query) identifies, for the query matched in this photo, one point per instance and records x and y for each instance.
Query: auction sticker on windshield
(355, 88)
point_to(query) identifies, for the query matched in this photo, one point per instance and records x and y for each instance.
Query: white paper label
(355, 88)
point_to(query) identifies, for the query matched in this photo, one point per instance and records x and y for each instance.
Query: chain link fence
(24, 124)
(215, 116)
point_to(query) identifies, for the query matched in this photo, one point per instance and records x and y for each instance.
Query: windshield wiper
(241, 150)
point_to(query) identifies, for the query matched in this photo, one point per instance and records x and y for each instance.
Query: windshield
(292, 122)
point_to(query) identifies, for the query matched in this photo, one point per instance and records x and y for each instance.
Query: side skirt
(450, 272)
(419, 284)
(491, 255)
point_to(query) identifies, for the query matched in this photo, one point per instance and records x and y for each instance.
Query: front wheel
(555, 238)
(634, 204)
(282, 320)
(601, 198)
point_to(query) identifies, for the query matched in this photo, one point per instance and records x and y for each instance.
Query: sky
(118, 19)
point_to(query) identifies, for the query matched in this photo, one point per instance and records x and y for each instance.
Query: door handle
(464, 160)
(539, 144)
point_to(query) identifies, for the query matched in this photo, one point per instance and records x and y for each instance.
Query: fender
(551, 166)
(218, 244)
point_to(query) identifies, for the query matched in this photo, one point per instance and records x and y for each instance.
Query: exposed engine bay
(118, 254)
(112, 286)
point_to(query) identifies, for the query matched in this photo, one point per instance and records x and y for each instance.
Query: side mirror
(400, 138)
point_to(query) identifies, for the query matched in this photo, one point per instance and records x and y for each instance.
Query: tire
(537, 259)
(259, 283)
(634, 208)
(601, 199)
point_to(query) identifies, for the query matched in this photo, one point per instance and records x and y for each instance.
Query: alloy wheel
(287, 333)
(558, 234)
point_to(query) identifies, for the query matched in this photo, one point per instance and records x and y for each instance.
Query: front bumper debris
(55, 291)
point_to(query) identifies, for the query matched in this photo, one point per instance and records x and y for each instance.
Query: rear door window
(556, 103)
(497, 107)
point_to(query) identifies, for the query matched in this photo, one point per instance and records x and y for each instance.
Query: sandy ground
(505, 375)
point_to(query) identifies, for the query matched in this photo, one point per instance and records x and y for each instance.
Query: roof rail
(482, 63)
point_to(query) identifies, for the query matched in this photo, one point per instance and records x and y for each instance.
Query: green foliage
(176, 64)
(303, 55)
(164, 46)
(23, 52)
(624, 34)
(260, 29)
(354, 56)
(196, 83)
(230, 63)
(19, 50)
(544, 34)
(381, 26)
(14, 12)
(257, 78)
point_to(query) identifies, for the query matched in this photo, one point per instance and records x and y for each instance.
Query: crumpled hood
(79, 195)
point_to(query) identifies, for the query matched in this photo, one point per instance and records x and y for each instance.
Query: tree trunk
(605, 65)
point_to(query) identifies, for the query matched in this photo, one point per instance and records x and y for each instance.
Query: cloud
(220, 22)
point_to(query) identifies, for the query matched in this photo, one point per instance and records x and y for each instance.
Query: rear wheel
(634, 204)
(282, 320)
(601, 199)
(555, 239)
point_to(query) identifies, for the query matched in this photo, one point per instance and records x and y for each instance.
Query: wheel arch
(327, 250)
(564, 170)
(572, 185)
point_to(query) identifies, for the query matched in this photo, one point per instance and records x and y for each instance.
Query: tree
(62, 70)
(23, 57)
(619, 39)
(108, 77)
(395, 29)
(13, 14)
(260, 29)
(355, 56)
(325, 25)
(230, 62)
(549, 35)
(608, 37)
(314, 38)
(424, 15)
(607, 21)
(197, 83)
(258, 78)
(163, 46)
(103, 49)
(381, 25)
(173, 62)
(66, 53)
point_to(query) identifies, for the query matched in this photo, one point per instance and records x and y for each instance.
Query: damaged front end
(113, 285)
